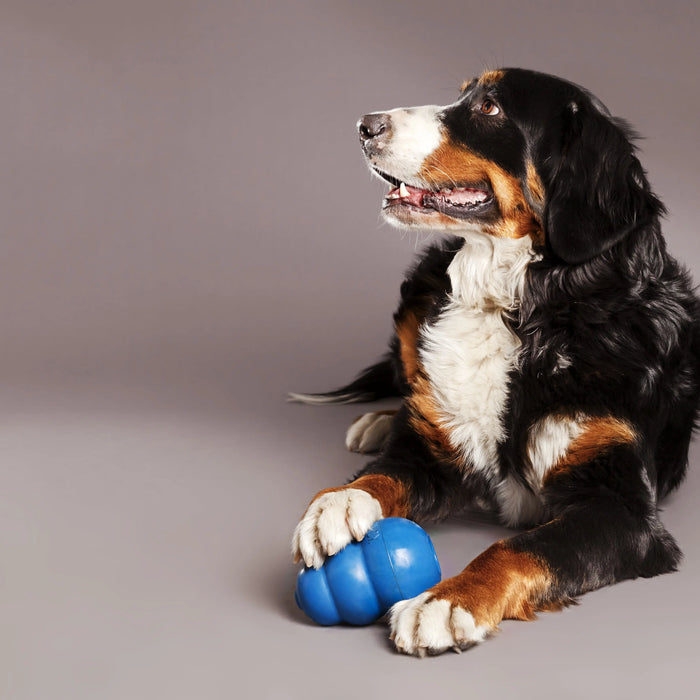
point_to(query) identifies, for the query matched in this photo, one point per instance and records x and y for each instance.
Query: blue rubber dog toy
(396, 560)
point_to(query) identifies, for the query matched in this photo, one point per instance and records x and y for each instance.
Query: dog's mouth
(458, 202)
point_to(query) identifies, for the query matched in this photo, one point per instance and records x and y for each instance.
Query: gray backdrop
(189, 232)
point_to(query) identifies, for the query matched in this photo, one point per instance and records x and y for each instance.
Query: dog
(546, 354)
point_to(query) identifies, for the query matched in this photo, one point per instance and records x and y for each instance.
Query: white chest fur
(468, 352)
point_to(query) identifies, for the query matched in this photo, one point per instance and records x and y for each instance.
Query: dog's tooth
(403, 192)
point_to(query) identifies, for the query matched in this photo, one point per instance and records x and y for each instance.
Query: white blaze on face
(414, 136)
(415, 133)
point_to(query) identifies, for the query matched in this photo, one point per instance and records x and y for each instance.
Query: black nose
(374, 126)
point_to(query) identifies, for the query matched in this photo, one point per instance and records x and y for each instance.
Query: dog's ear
(596, 191)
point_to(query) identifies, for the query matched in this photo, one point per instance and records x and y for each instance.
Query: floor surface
(189, 233)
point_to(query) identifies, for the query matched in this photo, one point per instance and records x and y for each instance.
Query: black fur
(378, 381)
(607, 295)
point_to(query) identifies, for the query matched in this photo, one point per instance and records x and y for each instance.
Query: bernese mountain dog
(546, 354)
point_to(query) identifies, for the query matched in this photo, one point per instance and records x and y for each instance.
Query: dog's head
(518, 154)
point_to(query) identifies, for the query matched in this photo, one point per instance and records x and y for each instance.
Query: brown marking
(426, 420)
(491, 77)
(599, 435)
(534, 184)
(465, 85)
(452, 163)
(391, 493)
(500, 584)
(425, 417)
(407, 328)
(517, 228)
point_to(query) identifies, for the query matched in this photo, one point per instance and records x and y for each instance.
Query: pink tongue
(458, 196)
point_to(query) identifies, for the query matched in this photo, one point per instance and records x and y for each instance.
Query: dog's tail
(376, 382)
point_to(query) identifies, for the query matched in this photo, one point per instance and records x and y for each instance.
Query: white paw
(423, 625)
(332, 521)
(369, 432)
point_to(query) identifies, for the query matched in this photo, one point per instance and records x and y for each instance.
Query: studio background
(189, 232)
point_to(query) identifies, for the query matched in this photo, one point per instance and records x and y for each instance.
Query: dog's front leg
(595, 539)
(338, 515)
(405, 481)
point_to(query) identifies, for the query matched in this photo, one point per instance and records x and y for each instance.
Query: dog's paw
(369, 432)
(332, 521)
(424, 625)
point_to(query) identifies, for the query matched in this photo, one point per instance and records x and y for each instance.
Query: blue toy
(396, 560)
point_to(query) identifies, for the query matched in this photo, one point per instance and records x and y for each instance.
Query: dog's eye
(489, 107)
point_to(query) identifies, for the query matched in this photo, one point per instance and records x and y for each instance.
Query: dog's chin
(407, 215)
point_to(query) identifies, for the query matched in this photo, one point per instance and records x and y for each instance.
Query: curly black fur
(609, 325)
